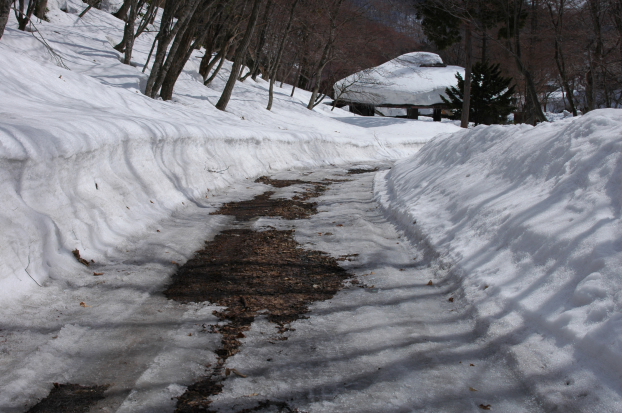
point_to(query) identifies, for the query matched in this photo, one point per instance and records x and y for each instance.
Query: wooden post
(437, 115)
(412, 113)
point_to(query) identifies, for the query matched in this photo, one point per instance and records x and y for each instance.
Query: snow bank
(530, 217)
(410, 79)
(86, 159)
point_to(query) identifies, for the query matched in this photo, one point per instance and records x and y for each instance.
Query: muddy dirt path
(300, 297)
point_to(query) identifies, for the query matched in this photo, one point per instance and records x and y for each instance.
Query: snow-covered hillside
(530, 219)
(87, 160)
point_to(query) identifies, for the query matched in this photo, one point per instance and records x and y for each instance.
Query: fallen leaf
(485, 406)
(237, 373)
(430, 282)
(151, 201)
(472, 389)
(83, 304)
(76, 253)
(157, 230)
(472, 365)
(98, 273)
(451, 299)
(189, 334)
(339, 225)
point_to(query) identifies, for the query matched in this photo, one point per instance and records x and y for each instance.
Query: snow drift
(530, 219)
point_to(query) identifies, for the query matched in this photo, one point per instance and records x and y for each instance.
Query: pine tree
(491, 95)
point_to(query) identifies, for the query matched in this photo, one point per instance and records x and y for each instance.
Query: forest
(560, 54)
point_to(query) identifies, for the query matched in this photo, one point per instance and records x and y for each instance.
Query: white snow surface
(529, 218)
(400, 81)
(86, 160)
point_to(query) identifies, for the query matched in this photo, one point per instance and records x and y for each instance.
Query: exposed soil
(280, 183)
(264, 205)
(252, 272)
(355, 171)
(249, 271)
(70, 398)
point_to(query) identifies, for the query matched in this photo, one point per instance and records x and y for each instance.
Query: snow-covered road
(392, 343)
(396, 345)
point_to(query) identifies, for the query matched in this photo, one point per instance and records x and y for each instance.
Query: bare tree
(239, 56)
(23, 12)
(280, 54)
(123, 10)
(41, 9)
(190, 39)
(5, 10)
(168, 31)
(148, 16)
(557, 10)
(333, 16)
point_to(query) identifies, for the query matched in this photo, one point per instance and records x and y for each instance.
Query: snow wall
(529, 217)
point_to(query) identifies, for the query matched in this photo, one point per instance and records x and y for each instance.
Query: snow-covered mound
(86, 160)
(530, 219)
(417, 78)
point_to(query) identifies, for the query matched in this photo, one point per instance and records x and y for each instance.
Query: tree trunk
(123, 10)
(557, 20)
(262, 40)
(165, 37)
(279, 54)
(596, 57)
(535, 113)
(239, 56)
(5, 10)
(41, 9)
(466, 101)
(325, 56)
(208, 57)
(173, 74)
(219, 58)
(186, 22)
(296, 79)
(23, 16)
(222, 54)
(209, 80)
(561, 67)
(129, 32)
(484, 45)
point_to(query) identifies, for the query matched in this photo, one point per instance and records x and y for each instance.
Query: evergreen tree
(491, 95)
